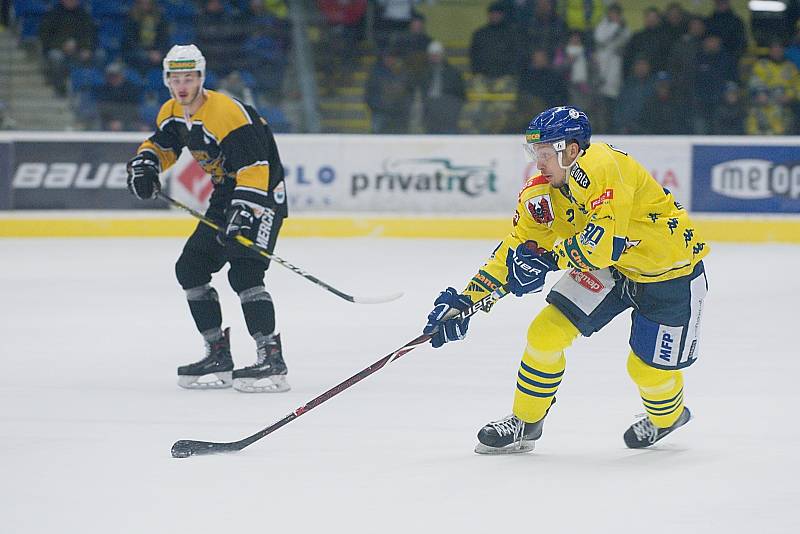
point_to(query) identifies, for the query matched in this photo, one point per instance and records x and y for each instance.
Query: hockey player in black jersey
(233, 144)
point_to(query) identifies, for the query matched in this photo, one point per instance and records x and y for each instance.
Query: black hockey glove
(143, 176)
(240, 221)
(441, 324)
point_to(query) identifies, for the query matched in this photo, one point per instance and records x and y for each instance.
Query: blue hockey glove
(444, 328)
(143, 176)
(527, 267)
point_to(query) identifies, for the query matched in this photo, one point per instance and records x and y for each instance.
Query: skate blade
(514, 448)
(269, 384)
(220, 380)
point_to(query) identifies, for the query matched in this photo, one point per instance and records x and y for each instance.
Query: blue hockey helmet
(559, 125)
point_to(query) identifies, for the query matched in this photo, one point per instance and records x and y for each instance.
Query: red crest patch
(608, 194)
(540, 210)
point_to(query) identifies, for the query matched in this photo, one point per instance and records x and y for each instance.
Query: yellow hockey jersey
(230, 141)
(611, 211)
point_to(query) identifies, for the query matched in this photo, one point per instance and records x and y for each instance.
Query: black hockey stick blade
(185, 448)
(297, 270)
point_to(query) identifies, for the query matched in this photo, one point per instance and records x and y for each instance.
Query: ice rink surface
(91, 332)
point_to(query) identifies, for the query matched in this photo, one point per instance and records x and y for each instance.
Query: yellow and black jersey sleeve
(241, 136)
(531, 221)
(165, 144)
(608, 203)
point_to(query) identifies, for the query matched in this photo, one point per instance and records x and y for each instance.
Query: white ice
(91, 332)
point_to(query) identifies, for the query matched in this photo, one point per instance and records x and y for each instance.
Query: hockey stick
(187, 447)
(252, 246)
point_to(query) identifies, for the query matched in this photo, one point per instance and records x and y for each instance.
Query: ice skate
(268, 374)
(644, 433)
(509, 435)
(213, 371)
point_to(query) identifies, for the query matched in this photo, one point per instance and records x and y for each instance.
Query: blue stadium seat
(182, 33)
(248, 78)
(31, 8)
(148, 111)
(153, 80)
(109, 34)
(211, 80)
(276, 119)
(109, 8)
(179, 11)
(84, 78)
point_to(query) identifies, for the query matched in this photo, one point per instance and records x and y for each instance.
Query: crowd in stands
(680, 73)
(106, 55)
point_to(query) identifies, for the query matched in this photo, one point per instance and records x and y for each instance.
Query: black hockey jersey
(231, 142)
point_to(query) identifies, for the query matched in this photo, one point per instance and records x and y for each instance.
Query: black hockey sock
(259, 312)
(204, 305)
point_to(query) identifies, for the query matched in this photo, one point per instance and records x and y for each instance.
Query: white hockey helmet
(184, 58)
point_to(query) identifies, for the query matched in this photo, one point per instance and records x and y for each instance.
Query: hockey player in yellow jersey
(595, 212)
(235, 146)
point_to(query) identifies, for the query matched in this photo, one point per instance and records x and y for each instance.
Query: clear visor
(537, 152)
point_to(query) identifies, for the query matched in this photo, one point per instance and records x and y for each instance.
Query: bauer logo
(66, 175)
(426, 175)
(747, 179)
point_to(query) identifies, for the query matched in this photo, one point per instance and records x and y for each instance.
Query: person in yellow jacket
(235, 146)
(624, 242)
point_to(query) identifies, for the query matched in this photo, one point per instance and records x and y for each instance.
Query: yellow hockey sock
(661, 391)
(542, 363)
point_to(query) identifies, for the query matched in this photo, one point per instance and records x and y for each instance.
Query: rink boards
(73, 184)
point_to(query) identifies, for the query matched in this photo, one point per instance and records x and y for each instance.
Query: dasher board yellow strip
(746, 230)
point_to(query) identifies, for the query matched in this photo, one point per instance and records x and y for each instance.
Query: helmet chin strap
(561, 160)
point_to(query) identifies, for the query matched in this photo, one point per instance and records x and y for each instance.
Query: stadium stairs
(30, 103)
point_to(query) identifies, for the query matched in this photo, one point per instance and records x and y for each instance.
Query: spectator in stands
(610, 38)
(765, 117)
(577, 68)
(388, 95)
(443, 93)
(343, 30)
(68, 36)
(233, 85)
(730, 115)
(675, 23)
(793, 50)
(583, 15)
(494, 50)
(118, 100)
(714, 67)
(636, 90)
(413, 44)
(547, 29)
(681, 64)
(661, 114)
(724, 22)
(220, 35)
(541, 86)
(520, 14)
(781, 79)
(652, 43)
(145, 36)
(392, 18)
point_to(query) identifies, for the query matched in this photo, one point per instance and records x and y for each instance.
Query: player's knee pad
(550, 332)
(192, 270)
(651, 379)
(254, 294)
(245, 274)
(203, 292)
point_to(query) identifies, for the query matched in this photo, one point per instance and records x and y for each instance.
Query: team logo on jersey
(540, 210)
(279, 193)
(587, 280)
(608, 194)
(580, 177)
